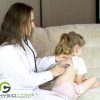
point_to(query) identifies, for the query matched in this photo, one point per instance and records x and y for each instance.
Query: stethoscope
(26, 42)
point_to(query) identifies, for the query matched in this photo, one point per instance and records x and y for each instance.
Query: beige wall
(5, 4)
(60, 12)
(57, 12)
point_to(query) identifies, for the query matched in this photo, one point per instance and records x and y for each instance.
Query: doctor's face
(31, 24)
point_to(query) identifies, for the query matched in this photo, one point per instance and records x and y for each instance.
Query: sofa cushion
(54, 33)
(40, 42)
(91, 34)
(93, 94)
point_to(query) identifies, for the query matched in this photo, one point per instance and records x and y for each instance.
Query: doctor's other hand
(66, 63)
(57, 70)
(61, 57)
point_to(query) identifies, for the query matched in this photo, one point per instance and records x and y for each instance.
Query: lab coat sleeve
(15, 71)
(45, 63)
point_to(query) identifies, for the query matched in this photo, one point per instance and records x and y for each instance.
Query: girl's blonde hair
(67, 42)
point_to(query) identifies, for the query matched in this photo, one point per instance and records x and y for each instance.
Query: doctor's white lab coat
(17, 67)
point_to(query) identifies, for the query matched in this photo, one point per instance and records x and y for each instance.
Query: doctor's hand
(57, 70)
(60, 67)
(66, 62)
(61, 57)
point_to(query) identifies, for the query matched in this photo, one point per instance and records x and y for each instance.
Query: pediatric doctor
(18, 62)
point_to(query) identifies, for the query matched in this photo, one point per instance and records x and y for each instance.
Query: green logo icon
(5, 87)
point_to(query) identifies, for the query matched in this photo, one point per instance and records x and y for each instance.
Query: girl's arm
(79, 78)
(81, 70)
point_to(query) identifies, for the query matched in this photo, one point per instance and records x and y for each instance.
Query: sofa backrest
(91, 34)
(45, 40)
(41, 42)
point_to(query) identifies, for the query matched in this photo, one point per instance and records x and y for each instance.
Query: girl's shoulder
(78, 60)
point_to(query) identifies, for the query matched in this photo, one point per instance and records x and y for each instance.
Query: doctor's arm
(17, 72)
(48, 62)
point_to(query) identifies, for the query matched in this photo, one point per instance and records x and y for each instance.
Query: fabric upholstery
(45, 39)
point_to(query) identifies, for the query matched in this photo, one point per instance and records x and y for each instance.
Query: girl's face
(77, 50)
(80, 51)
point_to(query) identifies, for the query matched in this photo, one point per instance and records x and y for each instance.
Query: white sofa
(45, 39)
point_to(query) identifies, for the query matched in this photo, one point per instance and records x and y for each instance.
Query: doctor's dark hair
(67, 42)
(15, 23)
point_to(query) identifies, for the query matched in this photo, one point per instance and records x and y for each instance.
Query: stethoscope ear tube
(26, 42)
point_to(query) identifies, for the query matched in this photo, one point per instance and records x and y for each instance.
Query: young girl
(71, 83)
